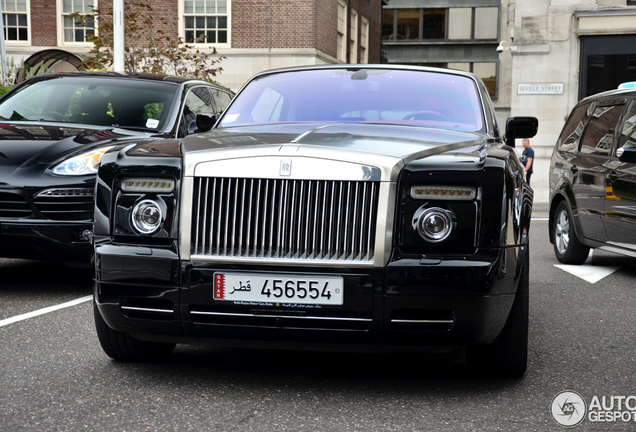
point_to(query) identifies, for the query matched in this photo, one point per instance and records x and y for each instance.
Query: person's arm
(528, 163)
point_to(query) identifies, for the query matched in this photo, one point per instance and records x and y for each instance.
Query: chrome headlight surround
(434, 224)
(147, 217)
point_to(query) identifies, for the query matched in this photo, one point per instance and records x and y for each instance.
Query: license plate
(323, 290)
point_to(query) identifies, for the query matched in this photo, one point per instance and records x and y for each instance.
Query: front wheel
(122, 346)
(508, 355)
(567, 247)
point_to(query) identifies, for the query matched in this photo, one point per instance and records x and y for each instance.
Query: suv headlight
(83, 164)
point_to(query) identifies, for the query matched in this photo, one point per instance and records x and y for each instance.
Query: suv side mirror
(520, 127)
(205, 121)
(627, 153)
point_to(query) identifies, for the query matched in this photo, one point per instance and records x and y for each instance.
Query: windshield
(93, 100)
(422, 98)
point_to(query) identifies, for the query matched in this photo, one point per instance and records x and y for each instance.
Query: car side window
(599, 134)
(198, 101)
(573, 129)
(221, 99)
(628, 134)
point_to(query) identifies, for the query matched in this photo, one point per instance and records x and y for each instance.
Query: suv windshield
(422, 98)
(93, 100)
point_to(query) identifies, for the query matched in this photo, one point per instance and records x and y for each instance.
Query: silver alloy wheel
(562, 232)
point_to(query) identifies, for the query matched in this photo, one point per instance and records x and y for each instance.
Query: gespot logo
(568, 408)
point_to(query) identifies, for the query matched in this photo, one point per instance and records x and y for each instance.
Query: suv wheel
(567, 247)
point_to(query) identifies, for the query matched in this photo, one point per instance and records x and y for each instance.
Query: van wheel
(122, 346)
(567, 247)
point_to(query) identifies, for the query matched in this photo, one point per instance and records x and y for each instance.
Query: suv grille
(13, 206)
(307, 220)
(65, 204)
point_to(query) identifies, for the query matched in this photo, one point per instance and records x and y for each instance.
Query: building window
(486, 19)
(387, 24)
(472, 23)
(487, 71)
(408, 24)
(15, 19)
(364, 40)
(341, 53)
(353, 37)
(72, 29)
(433, 24)
(206, 21)
(460, 23)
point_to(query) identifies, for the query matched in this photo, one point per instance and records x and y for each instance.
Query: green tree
(152, 44)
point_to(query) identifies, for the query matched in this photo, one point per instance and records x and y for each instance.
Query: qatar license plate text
(323, 290)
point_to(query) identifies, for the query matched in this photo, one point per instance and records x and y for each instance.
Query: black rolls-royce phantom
(331, 207)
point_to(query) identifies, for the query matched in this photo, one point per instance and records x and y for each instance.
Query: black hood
(27, 144)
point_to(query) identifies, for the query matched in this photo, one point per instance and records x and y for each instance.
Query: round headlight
(147, 217)
(434, 224)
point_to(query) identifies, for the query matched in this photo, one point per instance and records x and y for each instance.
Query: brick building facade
(253, 35)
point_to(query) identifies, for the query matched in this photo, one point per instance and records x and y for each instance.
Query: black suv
(593, 178)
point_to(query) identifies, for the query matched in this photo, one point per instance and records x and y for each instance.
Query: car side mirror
(627, 153)
(520, 127)
(205, 121)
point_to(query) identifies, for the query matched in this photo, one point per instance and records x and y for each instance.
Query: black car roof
(124, 75)
(609, 94)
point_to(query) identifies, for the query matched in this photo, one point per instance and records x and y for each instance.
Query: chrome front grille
(65, 204)
(298, 220)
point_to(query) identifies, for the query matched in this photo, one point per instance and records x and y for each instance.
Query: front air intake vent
(13, 206)
(65, 204)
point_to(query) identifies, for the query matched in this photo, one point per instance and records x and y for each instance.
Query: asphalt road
(55, 377)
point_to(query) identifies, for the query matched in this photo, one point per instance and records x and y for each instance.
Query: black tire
(567, 246)
(122, 346)
(508, 355)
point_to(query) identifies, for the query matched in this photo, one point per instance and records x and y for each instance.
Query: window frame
(341, 32)
(364, 40)
(353, 35)
(204, 45)
(26, 42)
(394, 36)
(60, 26)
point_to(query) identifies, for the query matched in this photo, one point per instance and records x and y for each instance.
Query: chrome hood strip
(315, 162)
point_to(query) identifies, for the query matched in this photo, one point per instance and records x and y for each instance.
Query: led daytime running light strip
(147, 185)
(64, 193)
(443, 192)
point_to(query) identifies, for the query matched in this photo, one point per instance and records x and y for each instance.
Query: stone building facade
(558, 52)
(253, 35)
(537, 57)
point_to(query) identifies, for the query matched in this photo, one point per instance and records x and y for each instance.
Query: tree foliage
(152, 44)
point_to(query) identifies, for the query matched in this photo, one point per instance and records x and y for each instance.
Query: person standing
(529, 158)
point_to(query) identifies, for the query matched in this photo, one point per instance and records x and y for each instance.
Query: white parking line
(45, 310)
